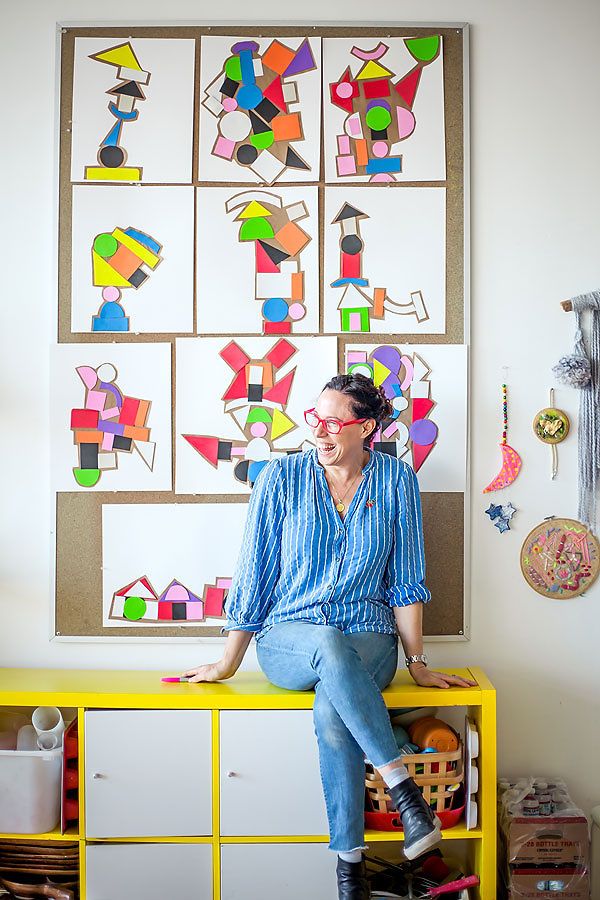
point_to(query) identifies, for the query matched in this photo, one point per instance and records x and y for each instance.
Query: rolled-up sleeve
(257, 569)
(405, 573)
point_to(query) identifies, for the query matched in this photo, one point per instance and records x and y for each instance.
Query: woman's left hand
(425, 677)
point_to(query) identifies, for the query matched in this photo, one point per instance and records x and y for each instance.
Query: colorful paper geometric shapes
(121, 55)
(234, 356)
(424, 49)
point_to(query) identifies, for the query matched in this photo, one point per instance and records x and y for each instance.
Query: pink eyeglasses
(331, 426)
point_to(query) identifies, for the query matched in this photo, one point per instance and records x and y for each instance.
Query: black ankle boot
(421, 826)
(352, 880)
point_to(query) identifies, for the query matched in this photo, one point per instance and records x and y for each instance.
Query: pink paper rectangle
(238, 451)
(343, 144)
(391, 429)
(95, 400)
(354, 321)
(345, 165)
(356, 356)
(224, 583)
(194, 612)
(223, 147)
(107, 441)
(110, 413)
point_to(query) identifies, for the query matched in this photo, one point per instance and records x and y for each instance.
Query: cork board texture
(175, 214)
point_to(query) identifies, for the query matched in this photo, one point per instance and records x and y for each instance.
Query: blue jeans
(348, 673)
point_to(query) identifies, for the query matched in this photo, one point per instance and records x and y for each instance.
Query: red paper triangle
(274, 93)
(207, 447)
(420, 407)
(420, 454)
(237, 389)
(143, 580)
(264, 263)
(407, 86)
(280, 391)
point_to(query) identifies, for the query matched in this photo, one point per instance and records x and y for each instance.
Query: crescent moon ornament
(511, 461)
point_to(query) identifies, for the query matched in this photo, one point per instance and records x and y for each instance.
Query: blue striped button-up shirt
(299, 560)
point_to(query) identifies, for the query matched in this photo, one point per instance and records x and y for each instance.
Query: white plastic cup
(49, 727)
(27, 738)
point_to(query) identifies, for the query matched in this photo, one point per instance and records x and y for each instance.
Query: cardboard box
(548, 840)
(568, 883)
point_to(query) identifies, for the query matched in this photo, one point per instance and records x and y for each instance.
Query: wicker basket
(436, 773)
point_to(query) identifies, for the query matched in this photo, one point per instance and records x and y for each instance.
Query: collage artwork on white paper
(132, 259)
(243, 278)
(168, 563)
(110, 425)
(240, 402)
(134, 97)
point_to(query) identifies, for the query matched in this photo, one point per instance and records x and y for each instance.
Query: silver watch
(418, 657)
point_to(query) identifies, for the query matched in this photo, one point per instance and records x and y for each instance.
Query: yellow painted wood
(250, 690)
(157, 839)
(81, 767)
(144, 690)
(82, 870)
(459, 833)
(72, 835)
(216, 803)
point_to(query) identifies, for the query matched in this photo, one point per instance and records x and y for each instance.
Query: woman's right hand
(218, 671)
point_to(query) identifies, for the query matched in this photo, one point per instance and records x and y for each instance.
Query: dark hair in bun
(366, 400)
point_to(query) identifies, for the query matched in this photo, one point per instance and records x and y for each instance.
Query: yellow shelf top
(246, 690)
(71, 836)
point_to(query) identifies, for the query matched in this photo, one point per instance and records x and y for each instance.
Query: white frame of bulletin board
(149, 451)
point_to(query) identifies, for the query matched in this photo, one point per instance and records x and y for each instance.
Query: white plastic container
(30, 783)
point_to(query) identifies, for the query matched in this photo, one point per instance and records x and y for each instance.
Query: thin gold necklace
(340, 505)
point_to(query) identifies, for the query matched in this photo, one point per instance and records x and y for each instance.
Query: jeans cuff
(362, 847)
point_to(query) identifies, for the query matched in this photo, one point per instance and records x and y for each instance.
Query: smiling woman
(331, 573)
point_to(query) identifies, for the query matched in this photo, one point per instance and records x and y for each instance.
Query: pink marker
(452, 886)
(175, 680)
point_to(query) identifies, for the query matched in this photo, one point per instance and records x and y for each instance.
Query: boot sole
(426, 843)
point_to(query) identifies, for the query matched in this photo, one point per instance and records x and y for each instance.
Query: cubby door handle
(97, 775)
(231, 774)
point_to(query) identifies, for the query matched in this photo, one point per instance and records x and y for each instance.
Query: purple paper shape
(388, 357)
(244, 45)
(109, 427)
(423, 432)
(303, 61)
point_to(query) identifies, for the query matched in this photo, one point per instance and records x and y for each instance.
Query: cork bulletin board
(112, 201)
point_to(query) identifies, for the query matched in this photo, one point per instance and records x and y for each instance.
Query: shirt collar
(321, 469)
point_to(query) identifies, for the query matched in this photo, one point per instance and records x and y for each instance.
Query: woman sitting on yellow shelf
(331, 571)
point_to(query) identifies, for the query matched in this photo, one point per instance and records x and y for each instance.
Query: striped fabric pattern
(299, 560)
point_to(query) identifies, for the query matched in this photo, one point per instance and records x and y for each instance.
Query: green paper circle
(134, 608)
(233, 68)
(378, 118)
(105, 245)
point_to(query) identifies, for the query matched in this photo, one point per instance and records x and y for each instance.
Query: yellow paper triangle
(372, 69)
(380, 373)
(254, 210)
(122, 55)
(104, 275)
(281, 424)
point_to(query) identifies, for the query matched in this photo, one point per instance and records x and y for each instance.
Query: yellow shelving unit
(100, 690)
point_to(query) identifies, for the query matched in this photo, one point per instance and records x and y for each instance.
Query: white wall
(535, 72)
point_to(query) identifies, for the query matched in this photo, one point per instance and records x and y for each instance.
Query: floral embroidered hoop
(560, 558)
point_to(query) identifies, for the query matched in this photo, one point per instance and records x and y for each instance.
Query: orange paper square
(292, 238)
(278, 57)
(124, 261)
(136, 433)
(287, 128)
